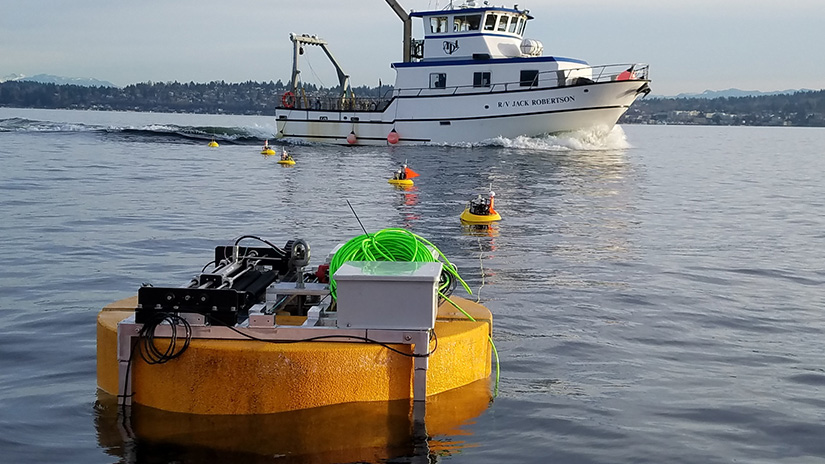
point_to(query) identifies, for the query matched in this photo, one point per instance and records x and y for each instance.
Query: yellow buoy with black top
(469, 218)
(403, 176)
(286, 159)
(259, 335)
(266, 149)
(480, 210)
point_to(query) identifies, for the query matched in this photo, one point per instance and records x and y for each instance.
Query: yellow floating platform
(401, 182)
(267, 151)
(469, 218)
(288, 162)
(353, 432)
(239, 377)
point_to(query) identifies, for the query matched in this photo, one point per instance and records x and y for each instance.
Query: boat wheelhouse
(472, 76)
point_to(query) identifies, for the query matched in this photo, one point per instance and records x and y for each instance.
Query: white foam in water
(588, 140)
(155, 128)
(261, 131)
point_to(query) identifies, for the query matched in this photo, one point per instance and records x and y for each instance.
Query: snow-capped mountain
(52, 79)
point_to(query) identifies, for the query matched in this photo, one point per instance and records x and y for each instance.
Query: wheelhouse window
(521, 23)
(438, 80)
(490, 22)
(514, 24)
(529, 78)
(466, 23)
(502, 23)
(438, 24)
(481, 79)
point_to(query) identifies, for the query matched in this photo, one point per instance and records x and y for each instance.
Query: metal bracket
(128, 331)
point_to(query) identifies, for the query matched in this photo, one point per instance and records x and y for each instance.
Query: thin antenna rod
(356, 218)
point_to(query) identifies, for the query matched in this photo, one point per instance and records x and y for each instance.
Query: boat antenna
(356, 218)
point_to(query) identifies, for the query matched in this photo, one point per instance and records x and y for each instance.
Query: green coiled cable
(395, 244)
(392, 244)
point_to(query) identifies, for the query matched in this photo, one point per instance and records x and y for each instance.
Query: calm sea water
(658, 293)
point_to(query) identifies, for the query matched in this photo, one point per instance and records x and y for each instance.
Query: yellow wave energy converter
(259, 334)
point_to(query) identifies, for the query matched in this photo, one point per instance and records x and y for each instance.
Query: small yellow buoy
(213, 143)
(401, 182)
(286, 159)
(267, 150)
(480, 211)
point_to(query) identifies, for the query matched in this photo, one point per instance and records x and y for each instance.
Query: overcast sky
(691, 45)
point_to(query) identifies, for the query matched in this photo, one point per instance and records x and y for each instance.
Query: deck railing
(339, 103)
(544, 80)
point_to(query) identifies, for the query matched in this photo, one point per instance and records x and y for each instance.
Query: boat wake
(148, 132)
(28, 125)
(239, 135)
(583, 140)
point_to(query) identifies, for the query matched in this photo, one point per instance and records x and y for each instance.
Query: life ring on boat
(288, 100)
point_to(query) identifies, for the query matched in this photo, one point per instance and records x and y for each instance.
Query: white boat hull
(469, 117)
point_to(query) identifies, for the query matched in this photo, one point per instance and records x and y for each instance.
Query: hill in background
(734, 93)
(736, 107)
(800, 108)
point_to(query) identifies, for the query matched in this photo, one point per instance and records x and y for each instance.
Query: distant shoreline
(801, 109)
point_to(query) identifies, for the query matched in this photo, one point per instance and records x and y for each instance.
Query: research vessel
(473, 76)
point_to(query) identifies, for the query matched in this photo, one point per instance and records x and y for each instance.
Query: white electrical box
(387, 294)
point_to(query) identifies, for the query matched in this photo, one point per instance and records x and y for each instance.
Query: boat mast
(405, 17)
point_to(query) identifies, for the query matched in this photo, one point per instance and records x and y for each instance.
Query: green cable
(391, 244)
(395, 244)
(493, 345)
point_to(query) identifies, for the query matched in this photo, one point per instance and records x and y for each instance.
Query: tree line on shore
(218, 97)
(261, 98)
(803, 108)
